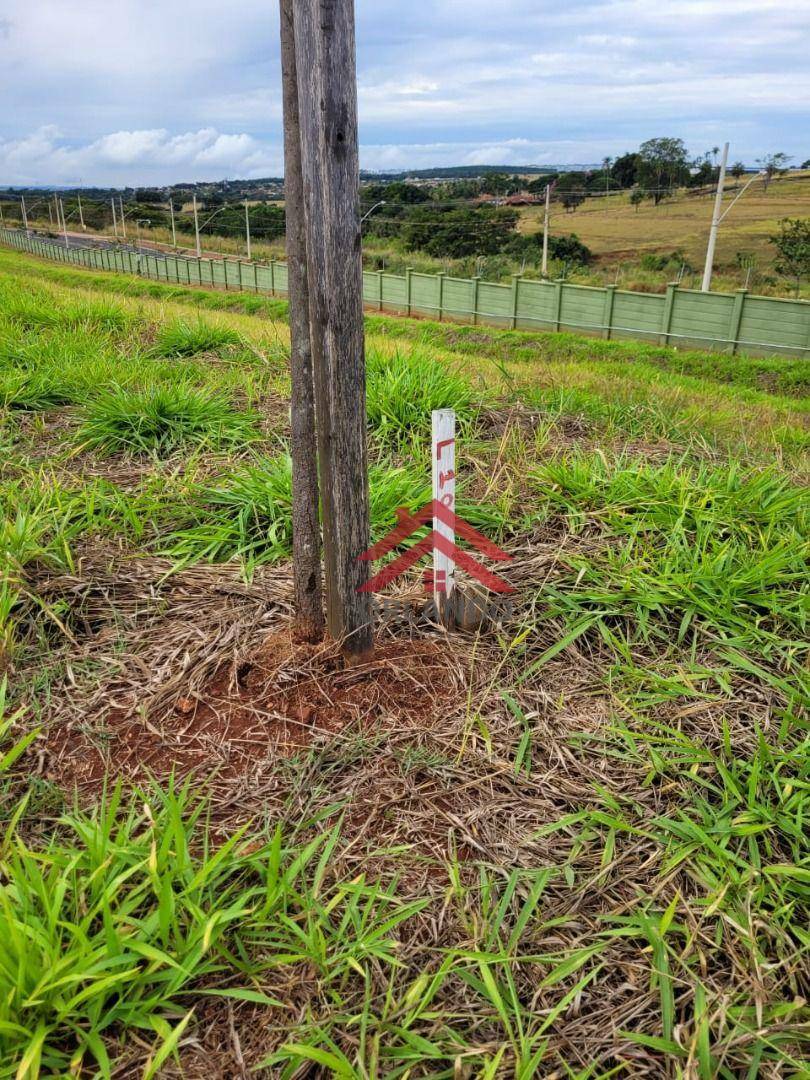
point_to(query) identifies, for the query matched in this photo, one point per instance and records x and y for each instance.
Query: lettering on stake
(443, 458)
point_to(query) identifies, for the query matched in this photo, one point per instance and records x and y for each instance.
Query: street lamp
(138, 223)
(26, 210)
(198, 227)
(371, 211)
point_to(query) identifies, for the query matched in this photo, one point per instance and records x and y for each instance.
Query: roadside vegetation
(637, 223)
(571, 844)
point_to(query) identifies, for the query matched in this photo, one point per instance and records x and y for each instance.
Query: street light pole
(115, 223)
(24, 214)
(138, 223)
(81, 215)
(247, 229)
(716, 219)
(196, 224)
(123, 219)
(61, 206)
(368, 213)
(544, 266)
(174, 233)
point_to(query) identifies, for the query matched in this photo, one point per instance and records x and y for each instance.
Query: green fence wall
(682, 317)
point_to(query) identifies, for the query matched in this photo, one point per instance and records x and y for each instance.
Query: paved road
(81, 240)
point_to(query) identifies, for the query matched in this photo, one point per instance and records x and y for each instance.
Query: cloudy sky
(155, 91)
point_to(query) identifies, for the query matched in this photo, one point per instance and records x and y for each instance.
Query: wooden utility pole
(327, 97)
(304, 450)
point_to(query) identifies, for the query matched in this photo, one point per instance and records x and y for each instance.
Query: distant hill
(455, 172)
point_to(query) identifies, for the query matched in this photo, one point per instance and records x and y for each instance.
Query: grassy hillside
(571, 843)
(619, 233)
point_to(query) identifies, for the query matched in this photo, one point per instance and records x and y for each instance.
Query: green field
(571, 845)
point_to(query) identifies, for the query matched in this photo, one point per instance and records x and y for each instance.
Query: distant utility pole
(327, 99)
(115, 225)
(24, 214)
(544, 267)
(81, 215)
(174, 233)
(123, 217)
(61, 206)
(196, 224)
(303, 445)
(247, 216)
(717, 217)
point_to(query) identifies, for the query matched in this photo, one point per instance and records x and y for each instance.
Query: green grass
(588, 858)
(787, 376)
(189, 339)
(403, 389)
(161, 419)
(247, 516)
(694, 558)
(128, 916)
(132, 287)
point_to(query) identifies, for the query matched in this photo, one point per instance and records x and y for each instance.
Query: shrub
(660, 261)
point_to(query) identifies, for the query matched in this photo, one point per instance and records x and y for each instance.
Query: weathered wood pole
(304, 451)
(327, 97)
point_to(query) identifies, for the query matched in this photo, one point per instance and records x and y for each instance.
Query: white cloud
(158, 90)
(134, 157)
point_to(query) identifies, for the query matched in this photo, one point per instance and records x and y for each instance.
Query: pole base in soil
(463, 610)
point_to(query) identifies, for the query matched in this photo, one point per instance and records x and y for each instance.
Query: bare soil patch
(284, 698)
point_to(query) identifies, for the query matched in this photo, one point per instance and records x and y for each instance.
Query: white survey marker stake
(443, 456)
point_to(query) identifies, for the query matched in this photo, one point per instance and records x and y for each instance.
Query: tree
(502, 184)
(662, 166)
(569, 249)
(792, 244)
(806, 164)
(571, 200)
(704, 173)
(624, 170)
(539, 184)
(637, 197)
(457, 233)
(773, 165)
(737, 170)
(570, 188)
(399, 191)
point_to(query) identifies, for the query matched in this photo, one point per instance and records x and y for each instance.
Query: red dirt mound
(287, 697)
